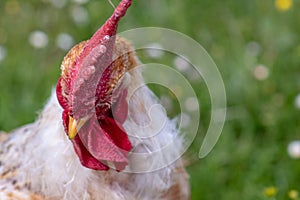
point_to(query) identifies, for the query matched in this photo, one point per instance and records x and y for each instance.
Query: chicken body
(38, 160)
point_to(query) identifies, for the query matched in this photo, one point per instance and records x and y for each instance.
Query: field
(255, 44)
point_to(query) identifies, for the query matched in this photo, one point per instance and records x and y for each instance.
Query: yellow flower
(293, 194)
(283, 5)
(270, 191)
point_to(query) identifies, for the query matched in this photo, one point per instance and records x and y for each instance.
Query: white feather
(45, 158)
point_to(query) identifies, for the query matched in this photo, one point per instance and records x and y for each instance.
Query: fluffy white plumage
(38, 160)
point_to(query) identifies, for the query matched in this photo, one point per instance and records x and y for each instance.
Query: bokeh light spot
(154, 50)
(294, 149)
(283, 5)
(297, 101)
(261, 72)
(64, 41)
(2, 53)
(38, 39)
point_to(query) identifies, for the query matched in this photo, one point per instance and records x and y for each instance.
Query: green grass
(262, 118)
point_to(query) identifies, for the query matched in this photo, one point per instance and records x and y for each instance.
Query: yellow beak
(75, 126)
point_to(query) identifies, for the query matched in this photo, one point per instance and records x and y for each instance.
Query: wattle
(103, 140)
(98, 143)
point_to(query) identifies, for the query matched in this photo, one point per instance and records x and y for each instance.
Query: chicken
(86, 141)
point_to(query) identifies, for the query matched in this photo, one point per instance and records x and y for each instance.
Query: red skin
(102, 137)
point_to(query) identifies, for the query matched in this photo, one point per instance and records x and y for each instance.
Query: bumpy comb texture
(93, 60)
(86, 67)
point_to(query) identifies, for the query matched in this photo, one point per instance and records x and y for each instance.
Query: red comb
(106, 141)
(93, 60)
(109, 28)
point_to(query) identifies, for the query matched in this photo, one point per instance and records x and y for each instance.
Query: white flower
(182, 64)
(191, 104)
(294, 149)
(2, 53)
(253, 48)
(80, 15)
(297, 101)
(64, 41)
(261, 72)
(166, 102)
(81, 1)
(38, 39)
(184, 120)
(154, 50)
(58, 3)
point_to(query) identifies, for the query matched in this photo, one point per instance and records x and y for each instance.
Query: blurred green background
(255, 45)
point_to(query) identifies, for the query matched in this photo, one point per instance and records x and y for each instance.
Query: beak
(75, 126)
